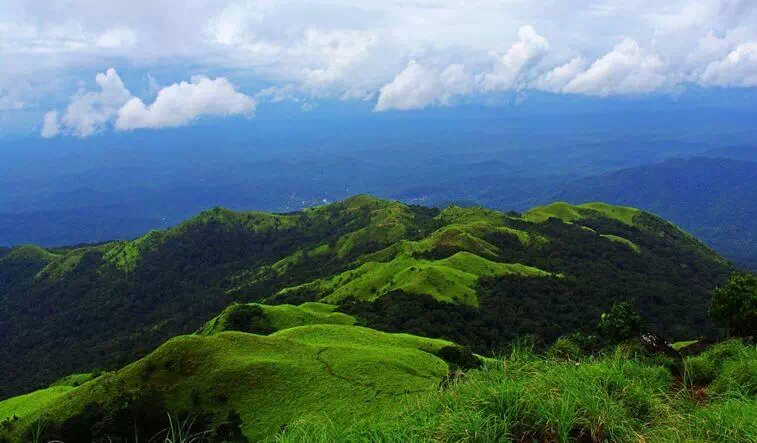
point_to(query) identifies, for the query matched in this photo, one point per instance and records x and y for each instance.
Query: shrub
(248, 318)
(459, 357)
(565, 348)
(734, 305)
(620, 323)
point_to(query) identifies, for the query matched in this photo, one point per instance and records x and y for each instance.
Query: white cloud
(556, 79)
(738, 68)
(116, 37)
(419, 86)
(515, 64)
(9, 102)
(180, 103)
(354, 49)
(89, 112)
(627, 69)
(175, 105)
(50, 126)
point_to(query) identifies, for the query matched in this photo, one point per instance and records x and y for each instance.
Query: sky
(83, 68)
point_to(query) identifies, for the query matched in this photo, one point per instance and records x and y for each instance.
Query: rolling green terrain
(621, 396)
(267, 319)
(338, 372)
(451, 279)
(471, 275)
(325, 383)
(358, 321)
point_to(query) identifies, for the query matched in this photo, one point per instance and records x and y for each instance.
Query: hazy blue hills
(713, 198)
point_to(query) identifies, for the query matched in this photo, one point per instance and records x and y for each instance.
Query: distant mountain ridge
(713, 198)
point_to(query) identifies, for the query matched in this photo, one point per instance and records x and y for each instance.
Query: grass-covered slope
(618, 397)
(333, 372)
(451, 279)
(264, 319)
(74, 310)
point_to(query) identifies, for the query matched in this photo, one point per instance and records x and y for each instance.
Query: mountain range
(395, 267)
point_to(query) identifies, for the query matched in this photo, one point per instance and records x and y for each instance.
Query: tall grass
(179, 431)
(615, 397)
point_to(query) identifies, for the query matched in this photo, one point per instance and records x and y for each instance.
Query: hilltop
(472, 275)
(350, 371)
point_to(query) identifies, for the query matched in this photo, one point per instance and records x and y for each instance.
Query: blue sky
(80, 68)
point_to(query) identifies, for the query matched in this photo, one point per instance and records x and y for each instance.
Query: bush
(565, 348)
(248, 318)
(734, 305)
(459, 357)
(620, 323)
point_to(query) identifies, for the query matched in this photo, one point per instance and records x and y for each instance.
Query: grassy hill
(452, 279)
(324, 383)
(260, 318)
(472, 275)
(335, 372)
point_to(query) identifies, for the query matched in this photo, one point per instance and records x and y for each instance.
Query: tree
(620, 323)
(734, 305)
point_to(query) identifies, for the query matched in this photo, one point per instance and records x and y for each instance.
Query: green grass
(572, 213)
(728, 368)
(451, 279)
(32, 404)
(74, 380)
(346, 383)
(125, 255)
(281, 317)
(623, 241)
(679, 345)
(30, 253)
(330, 372)
(457, 214)
(470, 237)
(526, 397)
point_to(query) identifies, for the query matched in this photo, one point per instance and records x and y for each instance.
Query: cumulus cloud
(50, 126)
(627, 69)
(418, 86)
(556, 79)
(89, 112)
(180, 103)
(175, 105)
(738, 69)
(514, 65)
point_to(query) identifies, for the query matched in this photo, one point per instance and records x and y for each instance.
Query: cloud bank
(175, 105)
(401, 54)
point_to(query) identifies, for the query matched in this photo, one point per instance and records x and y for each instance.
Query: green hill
(451, 279)
(472, 275)
(336, 372)
(259, 318)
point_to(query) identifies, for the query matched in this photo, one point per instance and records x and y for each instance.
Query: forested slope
(391, 266)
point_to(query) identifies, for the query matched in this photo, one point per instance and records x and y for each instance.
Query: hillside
(326, 383)
(475, 276)
(340, 372)
(713, 198)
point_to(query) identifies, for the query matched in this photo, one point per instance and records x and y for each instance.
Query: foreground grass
(617, 397)
(326, 383)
